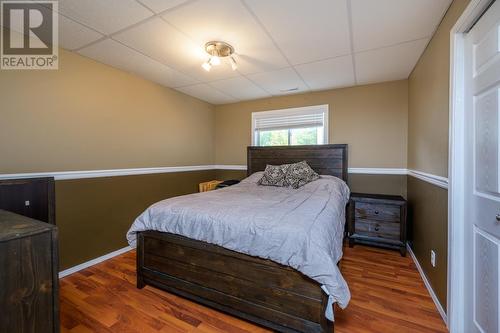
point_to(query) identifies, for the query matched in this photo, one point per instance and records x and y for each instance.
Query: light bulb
(215, 60)
(206, 66)
(234, 66)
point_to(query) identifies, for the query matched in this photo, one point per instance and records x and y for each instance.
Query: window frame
(324, 108)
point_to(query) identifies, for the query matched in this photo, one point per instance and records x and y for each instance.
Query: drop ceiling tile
(168, 45)
(328, 74)
(72, 35)
(117, 55)
(240, 88)
(306, 31)
(159, 40)
(159, 6)
(229, 21)
(387, 22)
(106, 16)
(280, 82)
(207, 93)
(390, 63)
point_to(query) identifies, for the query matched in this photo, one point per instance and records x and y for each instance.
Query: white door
(482, 153)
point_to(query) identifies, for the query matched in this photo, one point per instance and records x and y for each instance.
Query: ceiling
(282, 46)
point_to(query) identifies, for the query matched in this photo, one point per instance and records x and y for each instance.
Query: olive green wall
(381, 184)
(378, 184)
(428, 110)
(230, 174)
(428, 216)
(93, 215)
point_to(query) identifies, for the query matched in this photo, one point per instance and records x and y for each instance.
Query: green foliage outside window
(304, 136)
(273, 138)
(297, 136)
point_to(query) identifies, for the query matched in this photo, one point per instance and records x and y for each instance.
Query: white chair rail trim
(378, 171)
(429, 178)
(65, 175)
(229, 167)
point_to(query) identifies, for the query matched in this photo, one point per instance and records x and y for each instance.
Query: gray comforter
(300, 228)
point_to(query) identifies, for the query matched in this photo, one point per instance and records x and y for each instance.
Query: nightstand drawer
(379, 212)
(378, 220)
(378, 229)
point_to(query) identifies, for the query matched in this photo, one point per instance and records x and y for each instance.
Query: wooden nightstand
(380, 220)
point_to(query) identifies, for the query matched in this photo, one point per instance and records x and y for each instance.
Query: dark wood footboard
(258, 290)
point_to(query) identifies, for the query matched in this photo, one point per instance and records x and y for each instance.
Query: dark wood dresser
(31, 197)
(29, 300)
(380, 220)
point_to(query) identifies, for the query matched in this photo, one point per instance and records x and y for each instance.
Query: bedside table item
(376, 219)
(228, 183)
(209, 186)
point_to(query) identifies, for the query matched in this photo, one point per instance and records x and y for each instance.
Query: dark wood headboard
(324, 159)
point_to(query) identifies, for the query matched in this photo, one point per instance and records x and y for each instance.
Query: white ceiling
(282, 46)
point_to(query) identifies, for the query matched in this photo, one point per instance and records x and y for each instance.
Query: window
(297, 126)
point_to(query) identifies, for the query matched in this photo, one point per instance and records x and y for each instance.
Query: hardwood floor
(388, 295)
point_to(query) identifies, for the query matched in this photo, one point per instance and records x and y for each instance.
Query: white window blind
(276, 122)
(289, 119)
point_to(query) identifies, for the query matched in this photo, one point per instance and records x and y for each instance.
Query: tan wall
(87, 115)
(428, 125)
(372, 119)
(428, 97)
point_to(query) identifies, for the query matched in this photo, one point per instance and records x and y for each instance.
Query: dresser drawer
(376, 211)
(378, 229)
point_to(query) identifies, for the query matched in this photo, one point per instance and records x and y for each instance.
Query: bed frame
(258, 290)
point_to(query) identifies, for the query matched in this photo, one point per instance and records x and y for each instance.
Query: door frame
(456, 166)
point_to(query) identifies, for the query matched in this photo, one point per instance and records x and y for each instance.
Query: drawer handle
(377, 227)
(376, 212)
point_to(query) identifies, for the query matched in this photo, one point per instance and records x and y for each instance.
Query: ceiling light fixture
(234, 66)
(207, 66)
(215, 61)
(217, 50)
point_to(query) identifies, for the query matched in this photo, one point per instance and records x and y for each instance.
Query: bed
(250, 283)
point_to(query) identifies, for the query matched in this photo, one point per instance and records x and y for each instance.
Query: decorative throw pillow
(275, 175)
(299, 174)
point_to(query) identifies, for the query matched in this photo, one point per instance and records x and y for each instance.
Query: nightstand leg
(140, 282)
(351, 242)
(402, 250)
